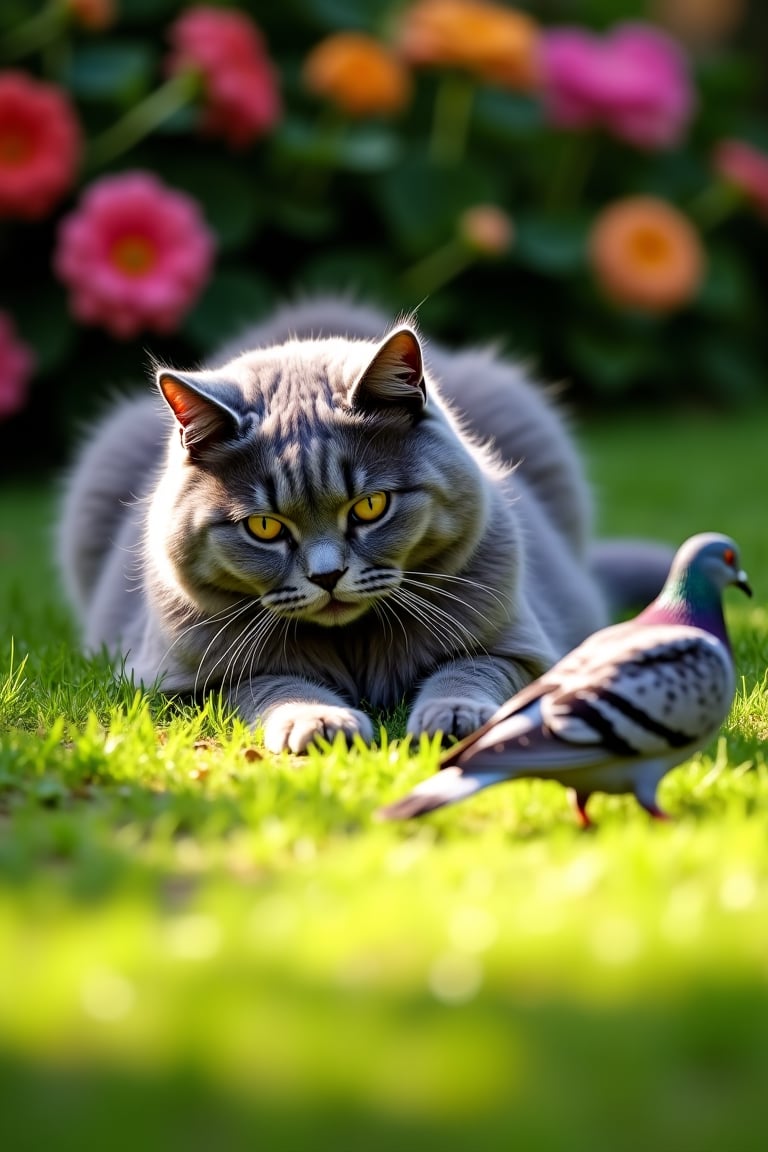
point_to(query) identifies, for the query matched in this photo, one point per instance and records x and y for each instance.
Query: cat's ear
(395, 376)
(204, 420)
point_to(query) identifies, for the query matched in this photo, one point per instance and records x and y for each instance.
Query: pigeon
(619, 711)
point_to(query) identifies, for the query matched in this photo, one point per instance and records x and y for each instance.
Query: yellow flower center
(15, 147)
(649, 247)
(133, 255)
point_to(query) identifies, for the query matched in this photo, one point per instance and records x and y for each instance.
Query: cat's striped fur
(472, 580)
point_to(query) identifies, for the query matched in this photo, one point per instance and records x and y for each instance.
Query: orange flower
(646, 255)
(699, 21)
(491, 42)
(358, 74)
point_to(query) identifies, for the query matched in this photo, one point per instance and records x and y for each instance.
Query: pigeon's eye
(729, 556)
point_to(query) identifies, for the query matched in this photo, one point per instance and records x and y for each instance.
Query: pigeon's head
(711, 559)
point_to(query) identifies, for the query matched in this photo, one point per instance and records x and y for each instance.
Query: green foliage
(374, 205)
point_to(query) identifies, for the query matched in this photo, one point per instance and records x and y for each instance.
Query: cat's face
(334, 569)
(315, 480)
(326, 554)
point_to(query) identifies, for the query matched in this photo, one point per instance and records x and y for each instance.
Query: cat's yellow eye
(265, 527)
(371, 507)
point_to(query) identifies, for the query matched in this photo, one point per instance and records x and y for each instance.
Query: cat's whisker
(449, 642)
(258, 639)
(442, 623)
(227, 623)
(396, 616)
(440, 626)
(440, 576)
(258, 647)
(238, 646)
(429, 608)
(406, 608)
(230, 654)
(382, 611)
(285, 640)
(450, 596)
(232, 610)
(255, 637)
(226, 614)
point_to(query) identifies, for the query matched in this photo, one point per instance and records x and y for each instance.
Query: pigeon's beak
(742, 582)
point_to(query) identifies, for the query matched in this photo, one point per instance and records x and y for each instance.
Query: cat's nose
(327, 580)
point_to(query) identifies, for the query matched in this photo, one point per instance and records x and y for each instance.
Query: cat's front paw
(450, 715)
(293, 727)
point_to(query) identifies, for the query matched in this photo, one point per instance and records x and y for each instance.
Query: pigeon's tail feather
(631, 572)
(446, 787)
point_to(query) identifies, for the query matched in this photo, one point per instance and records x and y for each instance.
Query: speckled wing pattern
(626, 693)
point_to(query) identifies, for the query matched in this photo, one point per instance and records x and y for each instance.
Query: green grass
(206, 947)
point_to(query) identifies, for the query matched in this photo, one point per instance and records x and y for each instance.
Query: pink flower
(242, 101)
(39, 146)
(16, 364)
(135, 254)
(634, 83)
(745, 168)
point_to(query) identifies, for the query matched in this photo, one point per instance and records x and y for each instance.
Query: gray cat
(324, 525)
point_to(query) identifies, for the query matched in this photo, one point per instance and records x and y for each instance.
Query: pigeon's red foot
(579, 803)
(656, 812)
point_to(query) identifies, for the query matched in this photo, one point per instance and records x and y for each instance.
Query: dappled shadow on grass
(506, 1072)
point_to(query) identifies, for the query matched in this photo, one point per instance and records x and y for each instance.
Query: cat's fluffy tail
(631, 572)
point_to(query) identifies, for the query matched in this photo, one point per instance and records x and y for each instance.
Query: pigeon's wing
(631, 693)
(668, 688)
(589, 652)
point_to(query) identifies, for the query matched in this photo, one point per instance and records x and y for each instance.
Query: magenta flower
(16, 364)
(135, 254)
(634, 83)
(40, 146)
(241, 96)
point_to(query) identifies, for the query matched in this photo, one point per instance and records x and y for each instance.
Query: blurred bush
(594, 195)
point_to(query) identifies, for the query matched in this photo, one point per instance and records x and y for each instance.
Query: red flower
(242, 101)
(39, 146)
(135, 254)
(16, 364)
(746, 168)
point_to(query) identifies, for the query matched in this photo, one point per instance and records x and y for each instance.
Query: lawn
(205, 947)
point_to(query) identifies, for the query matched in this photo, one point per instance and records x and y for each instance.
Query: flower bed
(594, 194)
